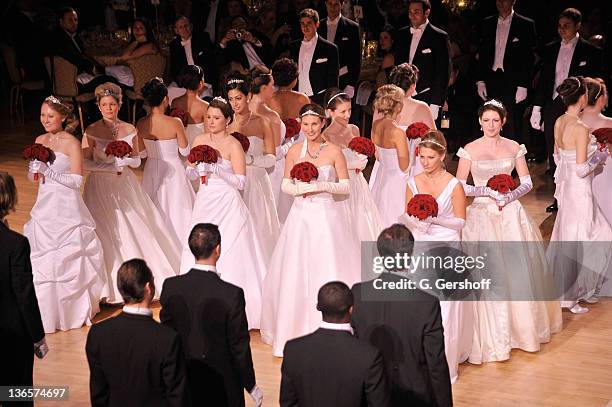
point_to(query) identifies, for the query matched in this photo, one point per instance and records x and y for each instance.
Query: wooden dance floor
(574, 369)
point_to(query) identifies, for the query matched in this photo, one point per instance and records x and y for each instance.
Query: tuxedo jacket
(66, 48)
(432, 57)
(204, 54)
(200, 9)
(349, 50)
(410, 336)
(209, 315)
(324, 66)
(135, 361)
(332, 368)
(587, 60)
(19, 314)
(234, 51)
(519, 52)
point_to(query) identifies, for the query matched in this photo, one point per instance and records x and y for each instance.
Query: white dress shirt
(417, 33)
(211, 20)
(564, 60)
(332, 26)
(130, 309)
(501, 39)
(337, 327)
(187, 46)
(205, 267)
(307, 49)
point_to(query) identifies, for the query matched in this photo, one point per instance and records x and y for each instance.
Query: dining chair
(144, 68)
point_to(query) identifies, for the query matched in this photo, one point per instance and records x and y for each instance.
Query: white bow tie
(413, 30)
(183, 43)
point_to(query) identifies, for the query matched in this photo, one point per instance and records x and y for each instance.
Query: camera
(239, 34)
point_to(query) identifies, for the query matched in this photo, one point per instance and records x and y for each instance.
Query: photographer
(244, 49)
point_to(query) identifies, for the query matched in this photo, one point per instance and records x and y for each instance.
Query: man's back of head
(335, 301)
(205, 242)
(135, 282)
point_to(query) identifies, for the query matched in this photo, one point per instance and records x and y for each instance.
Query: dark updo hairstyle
(224, 106)
(494, 105)
(70, 123)
(260, 75)
(596, 88)
(335, 97)
(404, 76)
(571, 89)
(313, 107)
(284, 71)
(154, 92)
(238, 81)
(190, 77)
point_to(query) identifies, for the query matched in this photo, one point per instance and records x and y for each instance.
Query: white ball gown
(128, 223)
(192, 131)
(66, 255)
(317, 245)
(389, 187)
(579, 220)
(259, 198)
(242, 260)
(602, 180)
(283, 201)
(500, 326)
(457, 316)
(164, 181)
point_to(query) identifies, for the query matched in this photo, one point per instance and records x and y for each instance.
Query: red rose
(181, 114)
(118, 148)
(417, 130)
(362, 145)
(203, 154)
(304, 171)
(38, 152)
(603, 136)
(244, 140)
(422, 206)
(502, 183)
(293, 128)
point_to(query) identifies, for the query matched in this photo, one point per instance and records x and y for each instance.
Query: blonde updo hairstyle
(70, 122)
(435, 140)
(108, 89)
(388, 97)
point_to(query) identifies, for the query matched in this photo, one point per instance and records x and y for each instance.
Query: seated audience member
(142, 42)
(133, 360)
(330, 367)
(385, 52)
(243, 50)
(210, 316)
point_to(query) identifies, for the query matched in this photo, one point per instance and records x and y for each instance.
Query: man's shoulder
(588, 45)
(523, 19)
(321, 339)
(11, 239)
(349, 22)
(438, 31)
(326, 44)
(194, 280)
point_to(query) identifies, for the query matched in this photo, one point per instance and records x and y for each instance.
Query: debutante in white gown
(389, 187)
(259, 198)
(242, 260)
(362, 209)
(500, 326)
(316, 245)
(66, 255)
(165, 183)
(579, 220)
(192, 131)
(602, 181)
(283, 201)
(128, 223)
(457, 316)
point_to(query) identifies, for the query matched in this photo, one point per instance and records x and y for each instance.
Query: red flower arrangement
(244, 140)
(203, 154)
(422, 206)
(305, 172)
(37, 152)
(119, 149)
(362, 145)
(293, 128)
(181, 114)
(603, 136)
(416, 130)
(502, 183)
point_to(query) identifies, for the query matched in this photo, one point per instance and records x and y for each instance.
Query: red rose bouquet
(181, 114)
(305, 172)
(422, 206)
(502, 183)
(293, 128)
(37, 152)
(203, 154)
(362, 145)
(416, 130)
(119, 149)
(603, 136)
(244, 140)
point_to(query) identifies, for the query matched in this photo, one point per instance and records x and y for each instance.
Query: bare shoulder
(471, 146)
(334, 148)
(511, 144)
(40, 139)
(128, 127)
(294, 149)
(354, 130)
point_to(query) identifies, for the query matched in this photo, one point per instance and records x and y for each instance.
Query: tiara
(220, 99)
(432, 142)
(495, 103)
(310, 112)
(53, 100)
(335, 96)
(233, 81)
(109, 92)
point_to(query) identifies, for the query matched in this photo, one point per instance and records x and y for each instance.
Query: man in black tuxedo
(193, 48)
(426, 46)
(330, 367)
(407, 330)
(505, 63)
(246, 48)
(134, 360)
(317, 59)
(569, 56)
(210, 316)
(207, 16)
(21, 329)
(344, 33)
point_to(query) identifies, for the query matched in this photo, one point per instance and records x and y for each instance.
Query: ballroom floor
(572, 370)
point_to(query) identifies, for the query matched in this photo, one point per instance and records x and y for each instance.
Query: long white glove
(282, 150)
(598, 158)
(99, 167)
(471, 190)
(536, 117)
(435, 109)
(191, 173)
(526, 186)
(184, 151)
(261, 161)
(297, 188)
(521, 94)
(355, 161)
(235, 180)
(414, 224)
(341, 187)
(451, 222)
(481, 90)
(133, 162)
(257, 395)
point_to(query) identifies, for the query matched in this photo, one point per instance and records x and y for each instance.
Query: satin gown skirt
(602, 181)
(362, 210)
(242, 260)
(165, 182)
(389, 187)
(192, 131)
(415, 163)
(66, 255)
(311, 251)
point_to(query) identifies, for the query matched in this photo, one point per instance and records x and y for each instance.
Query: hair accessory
(234, 81)
(432, 142)
(109, 92)
(495, 103)
(598, 91)
(335, 96)
(311, 112)
(577, 80)
(220, 99)
(53, 100)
